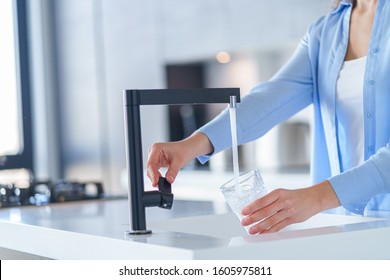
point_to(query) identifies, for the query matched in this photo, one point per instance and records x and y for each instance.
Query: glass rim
(226, 187)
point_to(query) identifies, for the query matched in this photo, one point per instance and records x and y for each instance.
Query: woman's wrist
(325, 196)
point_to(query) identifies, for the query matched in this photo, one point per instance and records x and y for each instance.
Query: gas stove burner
(44, 192)
(13, 196)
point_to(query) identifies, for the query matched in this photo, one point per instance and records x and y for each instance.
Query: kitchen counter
(190, 230)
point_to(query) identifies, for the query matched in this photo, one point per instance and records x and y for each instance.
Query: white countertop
(191, 230)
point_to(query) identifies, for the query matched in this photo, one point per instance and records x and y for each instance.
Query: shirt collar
(343, 4)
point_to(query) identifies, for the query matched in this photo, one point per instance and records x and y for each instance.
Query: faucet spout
(233, 102)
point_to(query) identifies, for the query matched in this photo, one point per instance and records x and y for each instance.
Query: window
(15, 115)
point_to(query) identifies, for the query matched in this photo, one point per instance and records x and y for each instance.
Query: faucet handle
(165, 193)
(164, 186)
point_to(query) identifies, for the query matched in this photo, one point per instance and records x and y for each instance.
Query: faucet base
(138, 232)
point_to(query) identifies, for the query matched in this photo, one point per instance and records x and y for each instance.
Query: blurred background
(65, 63)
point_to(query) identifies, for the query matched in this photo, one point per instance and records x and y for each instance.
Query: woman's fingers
(153, 174)
(272, 223)
(263, 207)
(156, 160)
(260, 204)
(173, 170)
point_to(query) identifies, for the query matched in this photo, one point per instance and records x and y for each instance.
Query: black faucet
(139, 199)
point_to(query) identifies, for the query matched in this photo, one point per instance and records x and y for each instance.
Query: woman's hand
(281, 207)
(175, 155)
(172, 155)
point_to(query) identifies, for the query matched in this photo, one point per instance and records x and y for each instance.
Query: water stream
(233, 129)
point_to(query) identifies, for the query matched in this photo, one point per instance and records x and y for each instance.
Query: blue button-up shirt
(309, 77)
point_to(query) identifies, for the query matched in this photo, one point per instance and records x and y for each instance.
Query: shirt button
(369, 115)
(374, 50)
(370, 82)
(370, 149)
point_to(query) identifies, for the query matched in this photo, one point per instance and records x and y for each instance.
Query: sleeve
(355, 187)
(267, 104)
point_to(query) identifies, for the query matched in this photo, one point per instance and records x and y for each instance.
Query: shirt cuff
(354, 188)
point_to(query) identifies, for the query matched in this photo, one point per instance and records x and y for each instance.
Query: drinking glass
(249, 188)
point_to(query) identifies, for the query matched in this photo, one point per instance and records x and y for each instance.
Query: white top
(349, 113)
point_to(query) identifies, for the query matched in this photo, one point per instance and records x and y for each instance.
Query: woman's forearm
(199, 144)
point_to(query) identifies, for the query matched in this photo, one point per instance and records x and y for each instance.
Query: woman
(342, 67)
